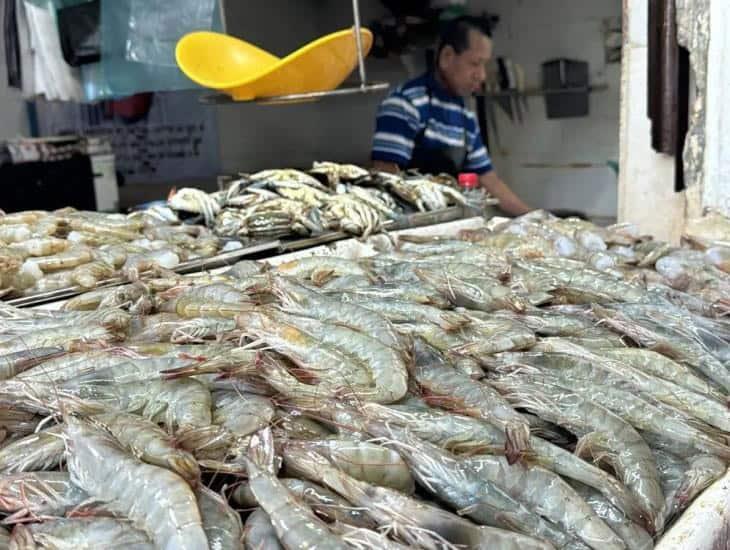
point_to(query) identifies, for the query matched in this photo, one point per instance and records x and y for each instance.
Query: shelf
(536, 92)
(223, 99)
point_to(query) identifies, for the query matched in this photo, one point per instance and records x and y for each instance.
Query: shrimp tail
(261, 451)
(451, 321)
(517, 441)
(23, 360)
(594, 445)
(22, 537)
(207, 367)
(198, 438)
(321, 276)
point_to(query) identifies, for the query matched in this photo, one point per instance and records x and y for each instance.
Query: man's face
(466, 72)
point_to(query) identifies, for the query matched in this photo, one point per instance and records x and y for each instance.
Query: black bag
(78, 27)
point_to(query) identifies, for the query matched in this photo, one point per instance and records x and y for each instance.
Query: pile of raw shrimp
(46, 251)
(543, 384)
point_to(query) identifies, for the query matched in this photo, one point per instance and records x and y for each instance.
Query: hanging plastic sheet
(27, 55)
(155, 28)
(52, 76)
(138, 42)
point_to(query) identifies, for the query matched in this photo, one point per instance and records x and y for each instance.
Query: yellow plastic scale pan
(246, 72)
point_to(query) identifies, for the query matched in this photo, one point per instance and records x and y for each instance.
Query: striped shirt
(443, 118)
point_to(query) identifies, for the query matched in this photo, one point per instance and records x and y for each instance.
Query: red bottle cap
(468, 180)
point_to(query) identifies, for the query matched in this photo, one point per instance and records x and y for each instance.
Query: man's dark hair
(455, 32)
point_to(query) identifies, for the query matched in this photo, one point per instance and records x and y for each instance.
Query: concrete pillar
(646, 180)
(645, 187)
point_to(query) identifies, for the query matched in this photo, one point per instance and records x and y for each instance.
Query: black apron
(442, 159)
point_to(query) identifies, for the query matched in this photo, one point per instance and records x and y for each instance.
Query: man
(425, 124)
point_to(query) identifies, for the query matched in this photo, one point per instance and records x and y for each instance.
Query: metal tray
(411, 221)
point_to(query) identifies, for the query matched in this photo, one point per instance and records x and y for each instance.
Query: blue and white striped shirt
(410, 110)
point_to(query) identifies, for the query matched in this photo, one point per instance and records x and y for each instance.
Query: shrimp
(364, 539)
(40, 246)
(235, 416)
(175, 403)
(260, 533)
(68, 367)
(15, 233)
(69, 259)
(222, 524)
(99, 466)
(481, 294)
(16, 421)
(331, 365)
(413, 291)
(90, 274)
(581, 285)
(446, 387)
(591, 367)
(146, 441)
(66, 337)
(480, 338)
(296, 426)
(327, 503)
(120, 231)
(364, 461)
(548, 495)
(169, 327)
(702, 471)
(602, 431)
(241, 414)
(25, 216)
(663, 367)
(384, 366)
(398, 311)
(633, 536)
(190, 306)
(295, 524)
(12, 364)
(465, 434)
(303, 301)
(107, 297)
(38, 494)
(39, 451)
(668, 341)
(231, 360)
(86, 533)
(321, 268)
(417, 523)
(640, 413)
(111, 319)
(48, 283)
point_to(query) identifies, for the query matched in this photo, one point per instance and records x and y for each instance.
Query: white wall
(531, 32)
(13, 118)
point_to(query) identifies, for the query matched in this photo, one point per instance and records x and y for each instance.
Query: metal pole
(358, 42)
(222, 10)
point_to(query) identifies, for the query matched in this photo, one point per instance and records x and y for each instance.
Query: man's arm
(508, 200)
(389, 167)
